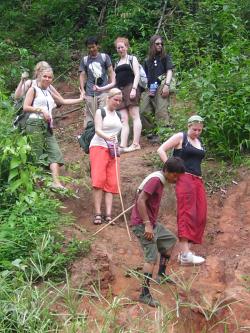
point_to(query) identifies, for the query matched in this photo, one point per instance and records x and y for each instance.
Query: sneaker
(148, 299)
(133, 147)
(190, 258)
(161, 279)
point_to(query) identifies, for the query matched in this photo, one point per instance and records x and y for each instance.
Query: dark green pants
(163, 240)
(43, 143)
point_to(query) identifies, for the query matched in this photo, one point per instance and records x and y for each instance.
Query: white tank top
(111, 124)
(43, 100)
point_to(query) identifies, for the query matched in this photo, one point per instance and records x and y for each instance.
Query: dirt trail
(226, 247)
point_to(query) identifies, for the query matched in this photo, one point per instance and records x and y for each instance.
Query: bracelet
(39, 110)
(145, 222)
(167, 84)
(134, 88)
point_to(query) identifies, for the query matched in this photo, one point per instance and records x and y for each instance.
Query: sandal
(107, 219)
(97, 219)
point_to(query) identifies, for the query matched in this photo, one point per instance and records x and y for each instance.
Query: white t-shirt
(111, 124)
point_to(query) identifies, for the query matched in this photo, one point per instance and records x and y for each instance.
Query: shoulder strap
(103, 113)
(104, 57)
(184, 140)
(34, 95)
(85, 60)
(130, 58)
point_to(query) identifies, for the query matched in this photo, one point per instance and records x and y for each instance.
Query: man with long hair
(159, 69)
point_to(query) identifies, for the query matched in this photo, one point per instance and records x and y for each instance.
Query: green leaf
(15, 162)
(15, 185)
(13, 174)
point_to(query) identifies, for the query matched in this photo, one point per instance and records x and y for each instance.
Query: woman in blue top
(190, 191)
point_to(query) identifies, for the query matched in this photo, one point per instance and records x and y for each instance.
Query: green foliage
(29, 216)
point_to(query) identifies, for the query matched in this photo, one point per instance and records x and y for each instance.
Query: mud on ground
(205, 297)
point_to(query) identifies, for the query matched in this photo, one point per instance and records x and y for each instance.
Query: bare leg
(125, 128)
(108, 203)
(97, 195)
(184, 245)
(148, 268)
(137, 126)
(54, 168)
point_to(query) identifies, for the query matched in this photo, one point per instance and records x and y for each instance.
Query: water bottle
(153, 88)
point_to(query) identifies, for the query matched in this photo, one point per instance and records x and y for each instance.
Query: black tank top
(124, 75)
(191, 156)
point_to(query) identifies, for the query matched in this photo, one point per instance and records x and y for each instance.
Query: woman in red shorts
(190, 191)
(104, 167)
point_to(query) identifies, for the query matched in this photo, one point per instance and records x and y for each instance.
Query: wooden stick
(120, 193)
(114, 219)
(161, 18)
(67, 112)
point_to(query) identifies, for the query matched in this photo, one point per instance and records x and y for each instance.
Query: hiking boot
(148, 299)
(161, 279)
(190, 258)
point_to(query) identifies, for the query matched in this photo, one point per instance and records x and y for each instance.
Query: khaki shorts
(92, 104)
(43, 143)
(163, 240)
(157, 106)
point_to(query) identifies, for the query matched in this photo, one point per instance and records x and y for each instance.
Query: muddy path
(206, 297)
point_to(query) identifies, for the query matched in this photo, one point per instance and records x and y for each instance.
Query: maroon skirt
(191, 207)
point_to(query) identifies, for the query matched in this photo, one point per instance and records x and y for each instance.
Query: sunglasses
(158, 43)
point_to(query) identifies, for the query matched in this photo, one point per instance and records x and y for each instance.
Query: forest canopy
(208, 42)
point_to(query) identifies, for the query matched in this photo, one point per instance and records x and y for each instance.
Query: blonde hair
(122, 40)
(113, 92)
(40, 66)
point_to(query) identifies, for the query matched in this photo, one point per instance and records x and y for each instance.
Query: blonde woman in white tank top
(104, 167)
(39, 103)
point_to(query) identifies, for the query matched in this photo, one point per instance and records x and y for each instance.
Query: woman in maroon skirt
(190, 191)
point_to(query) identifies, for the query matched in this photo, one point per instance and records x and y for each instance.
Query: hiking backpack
(21, 116)
(89, 132)
(143, 80)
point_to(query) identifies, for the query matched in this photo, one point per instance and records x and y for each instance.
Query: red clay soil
(217, 290)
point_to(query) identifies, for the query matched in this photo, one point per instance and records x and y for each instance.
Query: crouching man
(153, 236)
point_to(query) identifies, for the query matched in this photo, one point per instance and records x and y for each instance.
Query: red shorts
(191, 208)
(103, 169)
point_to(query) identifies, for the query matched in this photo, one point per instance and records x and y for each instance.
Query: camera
(25, 76)
(99, 81)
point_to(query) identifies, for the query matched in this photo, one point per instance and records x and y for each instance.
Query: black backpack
(21, 116)
(89, 132)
